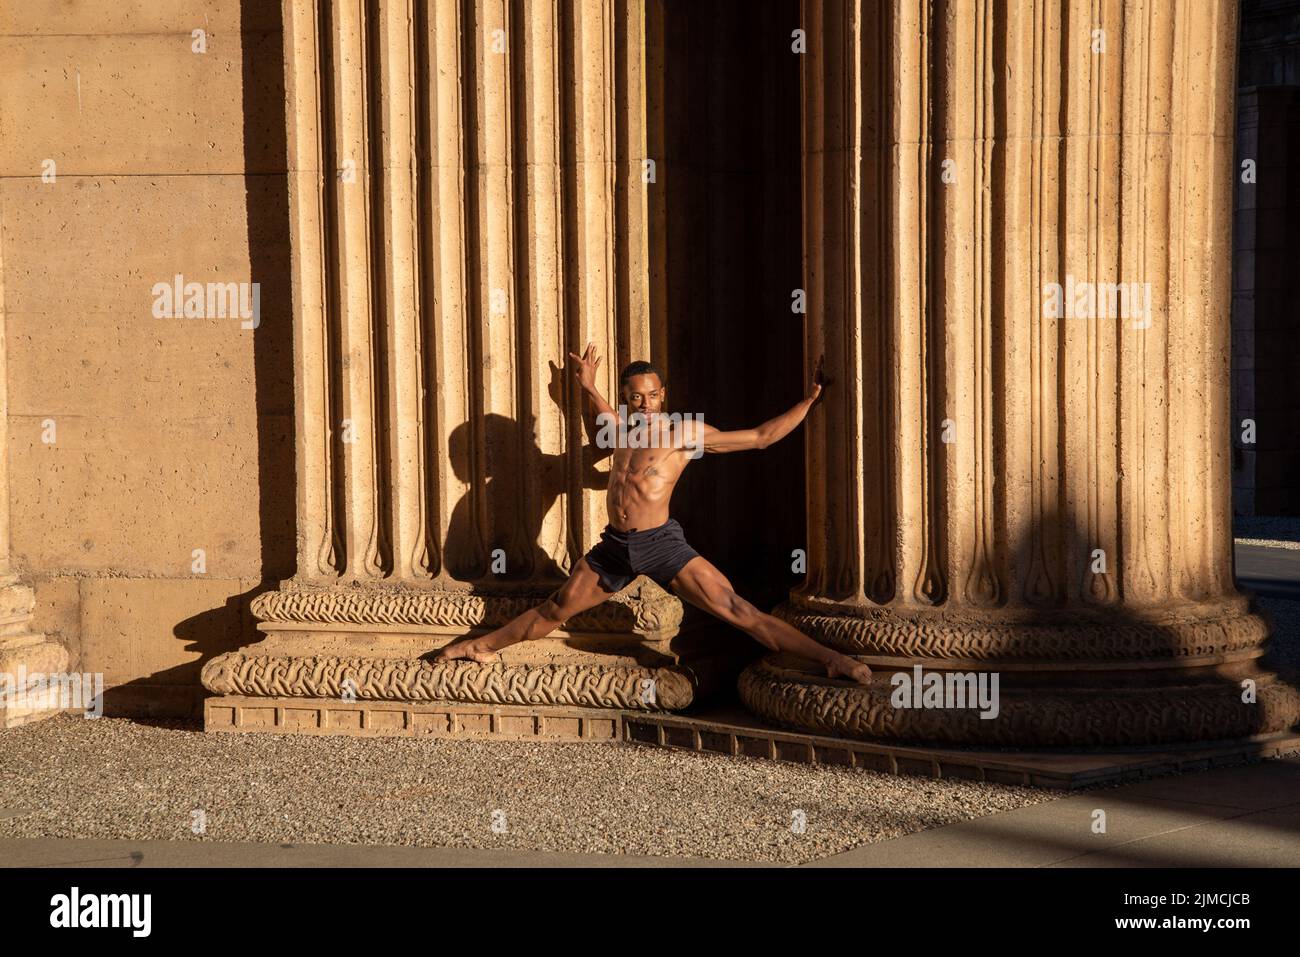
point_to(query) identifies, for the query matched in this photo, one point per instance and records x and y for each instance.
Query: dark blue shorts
(658, 553)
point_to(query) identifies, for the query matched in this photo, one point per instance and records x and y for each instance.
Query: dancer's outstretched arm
(773, 430)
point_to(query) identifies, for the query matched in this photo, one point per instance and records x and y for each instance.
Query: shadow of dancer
(512, 487)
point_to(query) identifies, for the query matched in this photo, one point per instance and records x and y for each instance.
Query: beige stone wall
(169, 435)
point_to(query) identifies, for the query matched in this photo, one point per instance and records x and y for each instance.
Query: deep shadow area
(731, 172)
(1265, 250)
(266, 167)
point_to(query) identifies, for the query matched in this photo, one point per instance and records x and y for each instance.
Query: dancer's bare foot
(847, 667)
(466, 648)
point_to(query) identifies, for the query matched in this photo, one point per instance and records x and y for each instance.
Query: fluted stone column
(468, 207)
(26, 656)
(997, 485)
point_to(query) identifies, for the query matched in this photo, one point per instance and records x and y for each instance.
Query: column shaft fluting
(467, 208)
(1017, 251)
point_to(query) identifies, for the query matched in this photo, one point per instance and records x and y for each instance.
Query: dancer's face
(644, 393)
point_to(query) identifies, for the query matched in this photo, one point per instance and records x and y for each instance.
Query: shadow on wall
(485, 513)
(176, 692)
(268, 249)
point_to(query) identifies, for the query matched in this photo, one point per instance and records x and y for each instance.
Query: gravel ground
(1275, 531)
(114, 778)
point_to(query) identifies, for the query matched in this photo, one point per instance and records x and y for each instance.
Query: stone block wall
(133, 149)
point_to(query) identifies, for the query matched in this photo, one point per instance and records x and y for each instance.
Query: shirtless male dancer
(642, 539)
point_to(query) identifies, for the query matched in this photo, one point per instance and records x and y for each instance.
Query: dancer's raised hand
(584, 366)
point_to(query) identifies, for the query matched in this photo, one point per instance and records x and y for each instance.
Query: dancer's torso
(641, 480)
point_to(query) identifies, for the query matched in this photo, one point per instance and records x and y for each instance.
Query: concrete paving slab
(1262, 839)
(1268, 570)
(1250, 787)
(1039, 836)
(1230, 817)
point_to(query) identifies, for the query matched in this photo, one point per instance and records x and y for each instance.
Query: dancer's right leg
(582, 591)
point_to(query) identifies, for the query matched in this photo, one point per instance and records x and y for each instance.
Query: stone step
(738, 734)
(727, 731)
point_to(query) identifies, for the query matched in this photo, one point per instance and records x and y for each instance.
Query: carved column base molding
(389, 679)
(1206, 706)
(1075, 635)
(381, 637)
(643, 608)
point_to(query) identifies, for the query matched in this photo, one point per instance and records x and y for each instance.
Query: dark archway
(729, 245)
(1265, 252)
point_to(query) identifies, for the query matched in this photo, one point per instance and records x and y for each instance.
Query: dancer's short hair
(640, 367)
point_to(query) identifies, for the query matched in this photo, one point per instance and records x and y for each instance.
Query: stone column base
(1205, 709)
(32, 656)
(368, 644)
(322, 716)
(1066, 680)
(25, 658)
